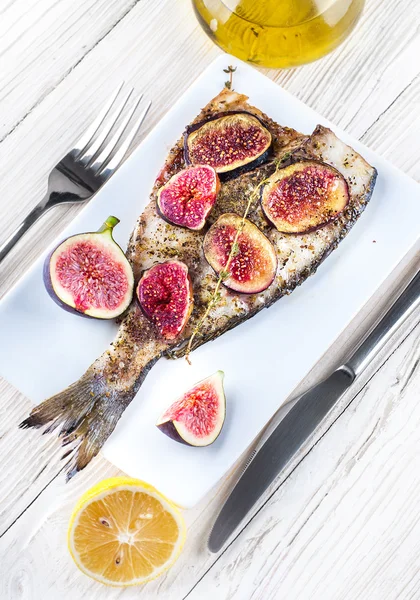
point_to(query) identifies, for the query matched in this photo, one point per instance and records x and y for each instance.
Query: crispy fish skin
(89, 409)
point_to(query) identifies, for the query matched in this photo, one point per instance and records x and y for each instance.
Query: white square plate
(43, 348)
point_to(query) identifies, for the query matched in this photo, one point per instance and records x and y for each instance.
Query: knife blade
(305, 416)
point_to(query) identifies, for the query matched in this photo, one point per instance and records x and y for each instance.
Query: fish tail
(91, 433)
(67, 407)
(87, 412)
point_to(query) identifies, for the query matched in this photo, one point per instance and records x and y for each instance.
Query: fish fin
(68, 407)
(87, 411)
(93, 431)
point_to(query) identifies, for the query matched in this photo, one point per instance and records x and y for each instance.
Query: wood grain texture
(345, 525)
(341, 522)
(50, 38)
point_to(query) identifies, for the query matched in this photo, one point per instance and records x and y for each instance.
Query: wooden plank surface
(345, 525)
(342, 521)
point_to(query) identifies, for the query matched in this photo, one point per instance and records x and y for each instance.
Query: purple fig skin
(246, 293)
(169, 429)
(227, 175)
(296, 160)
(186, 311)
(49, 287)
(201, 223)
(264, 245)
(107, 226)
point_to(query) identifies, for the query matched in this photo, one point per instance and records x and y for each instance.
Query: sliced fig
(188, 197)
(254, 262)
(89, 274)
(304, 196)
(197, 418)
(166, 297)
(227, 143)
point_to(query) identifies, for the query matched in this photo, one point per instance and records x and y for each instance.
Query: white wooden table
(343, 523)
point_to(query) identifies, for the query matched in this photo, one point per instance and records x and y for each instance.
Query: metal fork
(94, 158)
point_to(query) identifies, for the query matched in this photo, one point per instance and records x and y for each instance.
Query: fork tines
(104, 145)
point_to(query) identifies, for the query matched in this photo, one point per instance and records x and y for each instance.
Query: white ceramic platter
(43, 348)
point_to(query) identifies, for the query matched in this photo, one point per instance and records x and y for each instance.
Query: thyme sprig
(230, 71)
(224, 274)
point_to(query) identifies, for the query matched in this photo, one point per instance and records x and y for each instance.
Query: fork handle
(29, 220)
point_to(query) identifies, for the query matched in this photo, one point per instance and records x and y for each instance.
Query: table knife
(305, 416)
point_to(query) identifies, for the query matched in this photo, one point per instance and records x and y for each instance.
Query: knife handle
(402, 308)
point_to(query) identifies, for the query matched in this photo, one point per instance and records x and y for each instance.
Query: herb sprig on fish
(255, 260)
(224, 273)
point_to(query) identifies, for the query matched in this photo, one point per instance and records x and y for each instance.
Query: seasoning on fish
(88, 411)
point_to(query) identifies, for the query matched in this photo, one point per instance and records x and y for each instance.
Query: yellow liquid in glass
(278, 33)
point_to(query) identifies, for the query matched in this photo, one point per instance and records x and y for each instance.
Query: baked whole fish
(88, 410)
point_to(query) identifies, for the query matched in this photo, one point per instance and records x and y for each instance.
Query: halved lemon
(124, 532)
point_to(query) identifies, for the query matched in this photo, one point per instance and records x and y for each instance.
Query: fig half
(188, 197)
(166, 297)
(304, 196)
(197, 418)
(227, 143)
(254, 261)
(89, 274)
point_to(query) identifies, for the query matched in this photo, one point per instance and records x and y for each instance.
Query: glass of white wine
(278, 33)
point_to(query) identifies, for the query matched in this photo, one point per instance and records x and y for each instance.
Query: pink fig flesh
(304, 196)
(254, 262)
(229, 142)
(197, 418)
(89, 274)
(166, 297)
(188, 197)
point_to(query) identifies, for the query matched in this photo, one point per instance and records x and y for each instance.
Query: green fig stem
(215, 297)
(109, 225)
